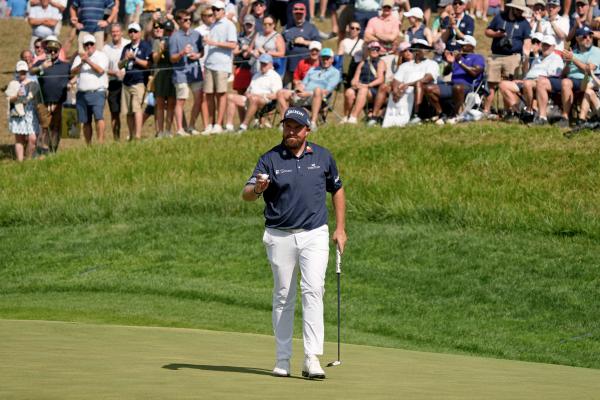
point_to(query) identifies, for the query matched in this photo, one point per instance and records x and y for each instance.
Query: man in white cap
(312, 60)
(88, 17)
(417, 29)
(384, 28)
(221, 41)
(91, 66)
(262, 90)
(113, 51)
(135, 59)
(555, 24)
(511, 42)
(545, 63)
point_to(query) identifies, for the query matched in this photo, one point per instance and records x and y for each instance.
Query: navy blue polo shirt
(134, 73)
(466, 26)
(53, 82)
(296, 196)
(297, 52)
(517, 30)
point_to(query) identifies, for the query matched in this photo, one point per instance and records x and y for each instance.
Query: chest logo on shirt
(282, 171)
(313, 166)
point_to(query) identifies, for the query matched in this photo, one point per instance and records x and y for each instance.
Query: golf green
(61, 360)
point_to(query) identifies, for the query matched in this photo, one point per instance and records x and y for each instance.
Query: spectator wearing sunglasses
(297, 37)
(582, 16)
(455, 27)
(554, 24)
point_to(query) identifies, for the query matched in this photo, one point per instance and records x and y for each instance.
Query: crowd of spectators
(397, 62)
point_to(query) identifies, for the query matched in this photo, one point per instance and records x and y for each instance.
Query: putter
(338, 271)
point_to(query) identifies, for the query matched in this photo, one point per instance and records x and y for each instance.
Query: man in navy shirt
(295, 177)
(136, 60)
(457, 26)
(298, 36)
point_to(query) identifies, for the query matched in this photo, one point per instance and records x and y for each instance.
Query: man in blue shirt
(136, 58)
(295, 177)
(297, 38)
(88, 17)
(318, 83)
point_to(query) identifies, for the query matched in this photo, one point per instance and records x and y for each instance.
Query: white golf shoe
(282, 368)
(312, 368)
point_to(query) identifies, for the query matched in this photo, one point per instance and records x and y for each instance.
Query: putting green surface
(59, 360)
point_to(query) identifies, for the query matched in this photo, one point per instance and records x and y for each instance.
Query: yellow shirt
(152, 5)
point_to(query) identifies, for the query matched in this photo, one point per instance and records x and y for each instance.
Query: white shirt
(549, 66)
(89, 80)
(269, 83)
(349, 46)
(411, 71)
(203, 30)
(114, 55)
(561, 23)
(50, 12)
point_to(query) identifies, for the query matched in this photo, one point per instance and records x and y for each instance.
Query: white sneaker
(229, 128)
(242, 128)
(207, 131)
(282, 368)
(193, 131)
(344, 120)
(351, 120)
(312, 368)
(182, 133)
(415, 121)
(313, 126)
(216, 129)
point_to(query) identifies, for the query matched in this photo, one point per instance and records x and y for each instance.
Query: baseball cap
(326, 52)
(169, 25)
(52, 38)
(415, 12)
(374, 45)
(387, 3)
(444, 3)
(21, 66)
(586, 2)
(298, 114)
(249, 19)
(583, 31)
(134, 27)
(536, 2)
(549, 39)
(265, 58)
(89, 39)
(420, 44)
(537, 36)
(553, 2)
(403, 46)
(298, 5)
(315, 45)
(218, 4)
(467, 39)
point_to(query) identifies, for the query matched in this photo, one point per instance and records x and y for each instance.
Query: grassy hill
(478, 239)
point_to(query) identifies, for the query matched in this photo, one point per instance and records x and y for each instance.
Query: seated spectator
(242, 73)
(536, 14)
(298, 38)
(383, 28)
(269, 41)
(417, 29)
(455, 27)
(510, 34)
(445, 9)
(369, 74)
(467, 73)
(307, 63)
(411, 77)
(585, 60)
(590, 100)
(262, 90)
(351, 47)
(554, 24)
(583, 16)
(318, 83)
(256, 8)
(545, 62)
(43, 18)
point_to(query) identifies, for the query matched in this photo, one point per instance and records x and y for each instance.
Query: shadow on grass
(223, 368)
(7, 151)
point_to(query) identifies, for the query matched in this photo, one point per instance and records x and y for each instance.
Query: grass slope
(472, 239)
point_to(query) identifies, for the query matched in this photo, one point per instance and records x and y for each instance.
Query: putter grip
(338, 261)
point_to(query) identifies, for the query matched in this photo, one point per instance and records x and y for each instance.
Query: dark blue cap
(583, 31)
(298, 114)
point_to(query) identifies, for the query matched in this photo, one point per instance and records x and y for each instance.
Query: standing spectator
(91, 67)
(222, 40)
(510, 43)
(257, 9)
(43, 19)
(17, 8)
(445, 9)
(241, 56)
(87, 16)
(455, 27)
(133, 10)
(417, 29)
(39, 51)
(185, 50)
(136, 59)
(152, 7)
(262, 90)
(298, 37)
(114, 50)
(369, 74)
(583, 16)
(53, 78)
(60, 5)
(364, 10)
(383, 28)
(164, 91)
(555, 24)
(269, 41)
(536, 14)
(425, 6)
(23, 120)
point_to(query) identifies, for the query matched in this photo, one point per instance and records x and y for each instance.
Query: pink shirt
(378, 25)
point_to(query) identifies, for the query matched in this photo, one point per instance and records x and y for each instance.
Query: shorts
(446, 89)
(114, 96)
(90, 103)
(215, 81)
(132, 98)
(242, 78)
(163, 84)
(50, 119)
(182, 90)
(556, 84)
(502, 67)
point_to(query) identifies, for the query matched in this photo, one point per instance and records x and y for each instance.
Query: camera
(505, 43)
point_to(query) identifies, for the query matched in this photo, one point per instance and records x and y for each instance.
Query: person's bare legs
(255, 103)
(196, 107)
(170, 113)
(20, 143)
(234, 101)
(100, 129)
(317, 100)
(380, 99)
(87, 132)
(283, 100)
(179, 103)
(31, 141)
(541, 94)
(349, 98)
(361, 100)
(221, 105)
(159, 114)
(433, 94)
(529, 87)
(566, 96)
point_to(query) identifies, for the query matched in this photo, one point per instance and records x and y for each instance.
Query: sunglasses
(535, 41)
(53, 50)
(355, 28)
(374, 48)
(580, 5)
(313, 50)
(186, 19)
(132, 31)
(268, 23)
(208, 15)
(299, 9)
(587, 36)
(457, 3)
(215, 9)
(88, 44)
(38, 47)
(158, 27)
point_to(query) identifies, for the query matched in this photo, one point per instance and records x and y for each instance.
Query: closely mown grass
(480, 239)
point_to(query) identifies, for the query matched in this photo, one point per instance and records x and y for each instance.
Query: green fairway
(53, 360)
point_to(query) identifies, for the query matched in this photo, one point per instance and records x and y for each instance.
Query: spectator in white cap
(417, 29)
(262, 90)
(113, 50)
(554, 24)
(221, 41)
(547, 63)
(384, 28)
(455, 27)
(135, 59)
(536, 13)
(307, 63)
(91, 67)
(43, 19)
(22, 120)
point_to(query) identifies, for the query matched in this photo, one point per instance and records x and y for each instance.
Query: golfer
(293, 178)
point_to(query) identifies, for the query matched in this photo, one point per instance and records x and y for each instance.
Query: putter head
(334, 363)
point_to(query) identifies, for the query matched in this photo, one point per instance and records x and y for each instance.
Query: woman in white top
(352, 48)
(268, 42)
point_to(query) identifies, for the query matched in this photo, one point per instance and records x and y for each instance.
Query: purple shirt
(459, 75)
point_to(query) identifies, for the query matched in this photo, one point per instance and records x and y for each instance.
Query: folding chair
(331, 99)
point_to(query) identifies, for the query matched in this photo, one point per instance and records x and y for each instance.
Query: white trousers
(288, 252)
